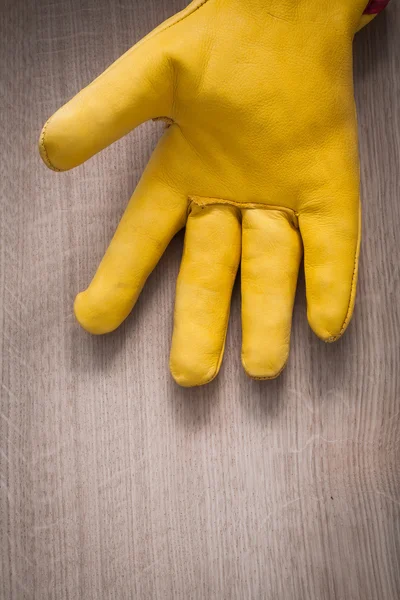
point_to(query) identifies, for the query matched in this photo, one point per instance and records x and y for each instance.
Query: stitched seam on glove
(204, 201)
(269, 378)
(167, 120)
(217, 368)
(43, 149)
(347, 319)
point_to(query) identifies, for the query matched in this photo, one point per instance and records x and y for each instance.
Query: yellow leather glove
(259, 161)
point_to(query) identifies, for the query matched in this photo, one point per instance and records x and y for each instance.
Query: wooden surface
(115, 483)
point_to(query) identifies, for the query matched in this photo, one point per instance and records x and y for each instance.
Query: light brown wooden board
(116, 484)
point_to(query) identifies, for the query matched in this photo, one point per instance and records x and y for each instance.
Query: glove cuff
(376, 6)
(373, 8)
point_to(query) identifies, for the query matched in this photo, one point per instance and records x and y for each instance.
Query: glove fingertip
(92, 318)
(188, 375)
(329, 327)
(262, 371)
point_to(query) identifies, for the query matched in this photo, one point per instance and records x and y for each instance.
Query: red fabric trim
(376, 6)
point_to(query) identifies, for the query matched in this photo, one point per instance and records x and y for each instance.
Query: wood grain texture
(116, 484)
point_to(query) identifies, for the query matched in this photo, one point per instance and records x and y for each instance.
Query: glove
(259, 161)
